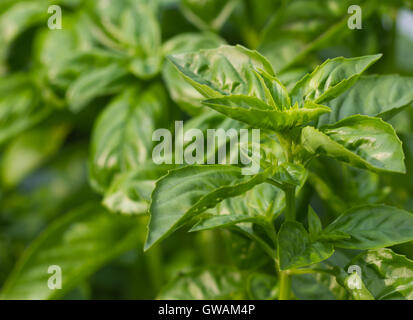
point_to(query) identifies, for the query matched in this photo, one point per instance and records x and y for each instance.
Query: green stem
(285, 286)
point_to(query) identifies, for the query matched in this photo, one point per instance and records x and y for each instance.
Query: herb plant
(88, 212)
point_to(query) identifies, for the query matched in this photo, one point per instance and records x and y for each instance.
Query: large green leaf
(206, 284)
(225, 70)
(331, 79)
(79, 243)
(387, 275)
(296, 249)
(372, 227)
(185, 193)
(122, 137)
(381, 96)
(362, 141)
(180, 90)
(30, 150)
(256, 113)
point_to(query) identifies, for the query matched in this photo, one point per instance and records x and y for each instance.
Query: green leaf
(317, 286)
(372, 227)
(314, 223)
(256, 113)
(331, 79)
(351, 283)
(20, 105)
(130, 192)
(28, 151)
(185, 193)
(258, 205)
(180, 90)
(279, 93)
(295, 248)
(78, 243)
(362, 141)
(377, 96)
(387, 275)
(95, 83)
(261, 286)
(222, 71)
(122, 137)
(16, 20)
(219, 283)
(134, 27)
(289, 174)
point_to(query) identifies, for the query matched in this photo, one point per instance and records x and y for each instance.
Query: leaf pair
(241, 84)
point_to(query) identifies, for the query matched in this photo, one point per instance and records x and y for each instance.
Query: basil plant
(333, 112)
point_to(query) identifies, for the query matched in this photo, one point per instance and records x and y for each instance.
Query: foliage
(80, 189)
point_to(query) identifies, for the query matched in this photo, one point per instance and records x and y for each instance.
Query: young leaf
(187, 192)
(206, 284)
(279, 93)
(180, 90)
(78, 243)
(295, 248)
(373, 226)
(362, 141)
(331, 79)
(256, 113)
(122, 137)
(387, 275)
(222, 71)
(377, 96)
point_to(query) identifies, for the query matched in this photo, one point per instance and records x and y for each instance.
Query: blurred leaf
(20, 105)
(77, 243)
(30, 150)
(122, 137)
(218, 283)
(208, 14)
(130, 192)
